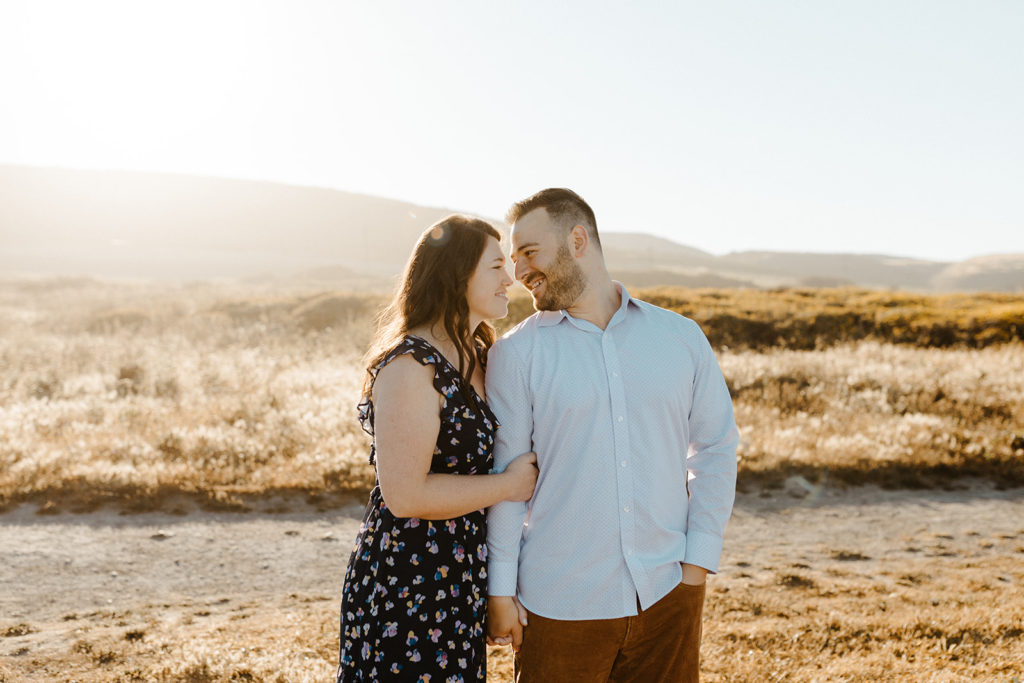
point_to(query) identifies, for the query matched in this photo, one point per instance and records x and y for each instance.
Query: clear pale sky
(890, 126)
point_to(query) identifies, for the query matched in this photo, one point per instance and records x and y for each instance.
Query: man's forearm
(504, 533)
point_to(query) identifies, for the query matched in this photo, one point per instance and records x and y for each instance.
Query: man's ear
(579, 240)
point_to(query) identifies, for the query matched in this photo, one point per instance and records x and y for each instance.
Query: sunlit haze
(870, 126)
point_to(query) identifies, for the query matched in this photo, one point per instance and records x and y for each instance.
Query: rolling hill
(153, 225)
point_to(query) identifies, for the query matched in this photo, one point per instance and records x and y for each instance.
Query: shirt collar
(548, 318)
(626, 301)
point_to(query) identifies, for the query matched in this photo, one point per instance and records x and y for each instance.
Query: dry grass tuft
(882, 414)
(20, 629)
(907, 620)
(929, 618)
(141, 395)
(819, 318)
(214, 408)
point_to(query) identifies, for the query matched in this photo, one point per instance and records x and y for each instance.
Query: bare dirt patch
(855, 585)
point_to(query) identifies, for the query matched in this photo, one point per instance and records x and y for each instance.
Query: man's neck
(598, 302)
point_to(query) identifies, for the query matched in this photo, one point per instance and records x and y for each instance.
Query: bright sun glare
(823, 127)
(132, 82)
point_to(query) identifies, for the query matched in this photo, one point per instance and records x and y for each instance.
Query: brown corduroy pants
(659, 644)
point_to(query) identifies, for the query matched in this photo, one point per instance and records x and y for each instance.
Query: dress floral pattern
(414, 601)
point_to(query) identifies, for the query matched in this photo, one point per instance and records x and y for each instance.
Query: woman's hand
(506, 618)
(521, 474)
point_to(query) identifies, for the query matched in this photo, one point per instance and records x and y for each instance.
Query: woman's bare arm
(406, 424)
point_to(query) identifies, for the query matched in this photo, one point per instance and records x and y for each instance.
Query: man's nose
(521, 270)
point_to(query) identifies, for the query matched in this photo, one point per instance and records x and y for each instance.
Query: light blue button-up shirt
(636, 444)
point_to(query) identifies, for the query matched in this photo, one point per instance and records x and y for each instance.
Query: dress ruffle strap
(446, 378)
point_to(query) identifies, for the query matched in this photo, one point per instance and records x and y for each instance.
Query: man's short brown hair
(566, 208)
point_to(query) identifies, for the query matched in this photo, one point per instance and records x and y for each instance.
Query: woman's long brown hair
(433, 292)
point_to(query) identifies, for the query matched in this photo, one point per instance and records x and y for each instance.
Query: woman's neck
(438, 340)
(448, 349)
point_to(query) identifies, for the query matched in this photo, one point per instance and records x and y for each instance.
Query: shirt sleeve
(509, 397)
(710, 461)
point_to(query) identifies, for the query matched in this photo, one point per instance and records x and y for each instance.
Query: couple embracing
(598, 435)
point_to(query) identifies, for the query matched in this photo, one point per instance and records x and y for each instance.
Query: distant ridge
(996, 272)
(166, 226)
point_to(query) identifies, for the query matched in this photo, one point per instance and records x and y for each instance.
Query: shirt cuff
(703, 550)
(502, 578)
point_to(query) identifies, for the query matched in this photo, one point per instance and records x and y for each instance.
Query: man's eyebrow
(525, 246)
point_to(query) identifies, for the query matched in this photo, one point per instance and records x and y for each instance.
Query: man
(631, 420)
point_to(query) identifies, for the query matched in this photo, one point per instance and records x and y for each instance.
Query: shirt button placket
(620, 432)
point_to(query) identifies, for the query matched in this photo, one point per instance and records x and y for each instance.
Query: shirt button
(623, 463)
(620, 418)
(626, 509)
(615, 374)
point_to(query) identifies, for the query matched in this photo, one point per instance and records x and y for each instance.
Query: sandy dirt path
(74, 563)
(57, 570)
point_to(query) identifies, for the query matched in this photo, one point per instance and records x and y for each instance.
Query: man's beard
(564, 284)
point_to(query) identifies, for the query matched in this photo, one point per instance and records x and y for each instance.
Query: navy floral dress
(414, 601)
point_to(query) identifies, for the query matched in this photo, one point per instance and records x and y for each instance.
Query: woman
(414, 600)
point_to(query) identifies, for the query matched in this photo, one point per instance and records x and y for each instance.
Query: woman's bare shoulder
(404, 375)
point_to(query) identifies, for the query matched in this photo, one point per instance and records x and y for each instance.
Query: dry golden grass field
(190, 402)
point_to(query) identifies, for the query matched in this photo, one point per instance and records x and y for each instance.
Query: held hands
(506, 618)
(521, 474)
